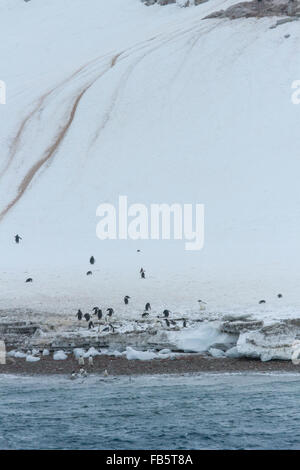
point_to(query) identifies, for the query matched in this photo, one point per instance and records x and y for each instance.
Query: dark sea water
(220, 411)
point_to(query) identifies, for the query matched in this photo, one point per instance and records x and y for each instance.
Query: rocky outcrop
(259, 8)
(181, 3)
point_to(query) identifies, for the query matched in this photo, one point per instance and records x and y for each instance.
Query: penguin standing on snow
(17, 239)
(89, 273)
(110, 312)
(29, 279)
(95, 310)
(91, 325)
(166, 313)
(262, 302)
(279, 296)
(87, 316)
(147, 307)
(99, 314)
(79, 315)
(126, 299)
(167, 322)
(92, 260)
(202, 304)
(145, 314)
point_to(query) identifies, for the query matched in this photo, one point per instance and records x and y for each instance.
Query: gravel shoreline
(122, 366)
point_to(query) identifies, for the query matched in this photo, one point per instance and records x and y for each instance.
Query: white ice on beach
(59, 356)
(30, 358)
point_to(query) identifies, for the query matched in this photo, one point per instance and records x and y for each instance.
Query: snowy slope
(116, 98)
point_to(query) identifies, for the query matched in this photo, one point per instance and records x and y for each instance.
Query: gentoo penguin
(167, 322)
(184, 324)
(110, 312)
(89, 273)
(166, 313)
(202, 304)
(99, 314)
(138, 251)
(147, 307)
(79, 314)
(17, 238)
(279, 296)
(91, 325)
(92, 260)
(126, 299)
(95, 310)
(145, 314)
(262, 302)
(143, 275)
(87, 316)
(29, 279)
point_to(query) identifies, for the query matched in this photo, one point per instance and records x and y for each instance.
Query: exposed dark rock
(290, 8)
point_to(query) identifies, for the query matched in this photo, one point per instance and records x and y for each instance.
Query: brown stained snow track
(50, 152)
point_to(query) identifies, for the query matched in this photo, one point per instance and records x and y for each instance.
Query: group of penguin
(110, 311)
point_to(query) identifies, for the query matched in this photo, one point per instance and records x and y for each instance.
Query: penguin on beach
(99, 314)
(262, 302)
(166, 313)
(91, 325)
(95, 310)
(110, 312)
(126, 299)
(92, 260)
(29, 279)
(87, 316)
(279, 296)
(89, 273)
(79, 315)
(147, 307)
(184, 323)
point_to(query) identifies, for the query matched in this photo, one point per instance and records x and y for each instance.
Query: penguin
(202, 304)
(126, 299)
(17, 239)
(95, 310)
(143, 275)
(81, 360)
(166, 313)
(91, 325)
(105, 329)
(89, 273)
(99, 314)
(141, 270)
(262, 302)
(110, 312)
(87, 316)
(79, 315)
(92, 260)
(145, 314)
(184, 324)
(167, 322)
(279, 296)
(147, 307)
(138, 251)
(29, 279)
(91, 361)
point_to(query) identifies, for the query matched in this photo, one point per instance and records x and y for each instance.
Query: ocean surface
(217, 411)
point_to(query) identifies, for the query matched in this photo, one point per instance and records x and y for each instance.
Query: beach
(115, 366)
